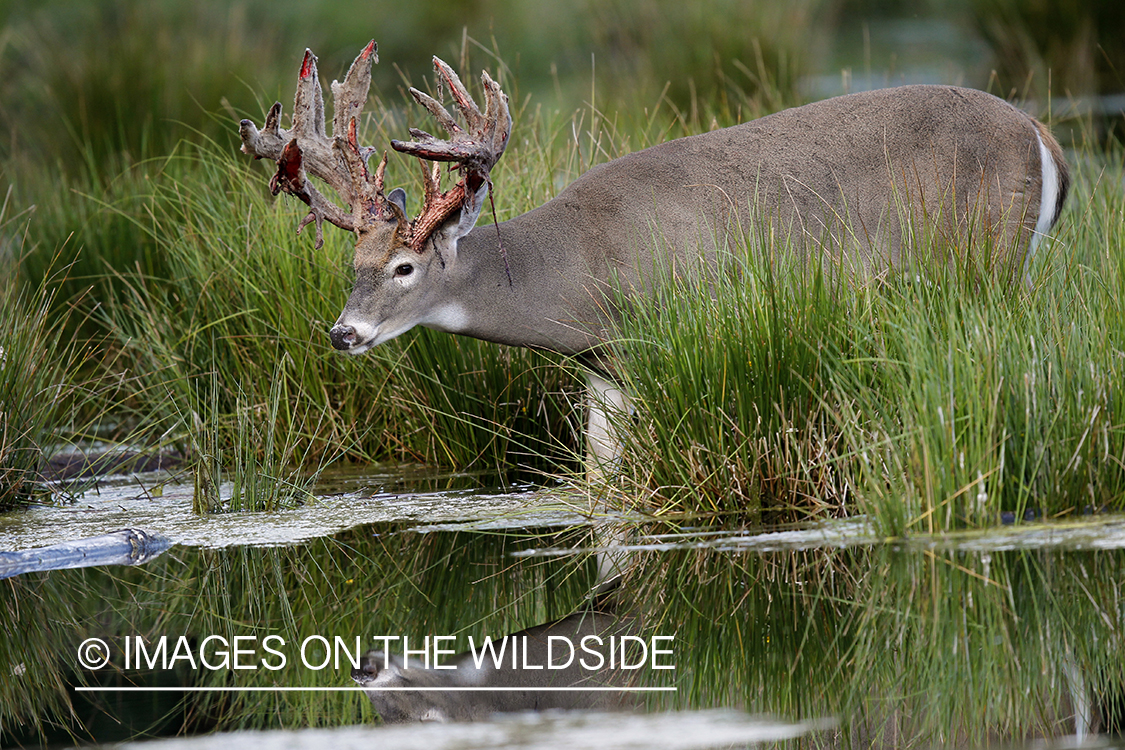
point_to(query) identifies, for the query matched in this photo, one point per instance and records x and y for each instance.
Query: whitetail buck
(860, 182)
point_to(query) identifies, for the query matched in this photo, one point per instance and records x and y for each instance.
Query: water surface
(1004, 635)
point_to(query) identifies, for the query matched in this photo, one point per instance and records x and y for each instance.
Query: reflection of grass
(906, 645)
(356, 584)
(39, 634)
(906, 648)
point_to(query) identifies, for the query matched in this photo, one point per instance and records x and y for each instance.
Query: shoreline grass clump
(49, 383)
(945, 399)
(726, 388)
(1000, 403)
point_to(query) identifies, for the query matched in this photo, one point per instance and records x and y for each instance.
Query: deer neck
(513, 285)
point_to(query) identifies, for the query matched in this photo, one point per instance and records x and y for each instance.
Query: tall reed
(50, 384)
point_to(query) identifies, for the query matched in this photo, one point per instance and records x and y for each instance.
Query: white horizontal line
(285, 689)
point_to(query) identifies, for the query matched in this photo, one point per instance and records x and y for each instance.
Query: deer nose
(343, 337)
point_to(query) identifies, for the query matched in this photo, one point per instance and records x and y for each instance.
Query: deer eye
(404, 270)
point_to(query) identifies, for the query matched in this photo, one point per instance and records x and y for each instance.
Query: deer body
(834, 174)
(859, 182)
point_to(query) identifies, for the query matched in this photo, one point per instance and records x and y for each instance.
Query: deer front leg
(608, 411)
(607, 405)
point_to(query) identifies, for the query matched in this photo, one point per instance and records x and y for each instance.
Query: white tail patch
(1048, 203)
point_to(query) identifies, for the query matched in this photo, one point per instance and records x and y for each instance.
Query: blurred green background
(86, 83)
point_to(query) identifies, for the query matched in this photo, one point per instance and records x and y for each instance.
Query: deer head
(396, 257)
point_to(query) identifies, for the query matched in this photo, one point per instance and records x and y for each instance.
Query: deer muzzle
(343, 337)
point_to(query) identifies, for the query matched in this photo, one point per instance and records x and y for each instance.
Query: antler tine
(349, 97)
(477, 148)
(307, 149)
(460, 94)
(474, 148)
(308, 103)
(498, 120)
(440, 113)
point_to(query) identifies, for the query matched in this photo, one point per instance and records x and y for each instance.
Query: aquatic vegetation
(46, 378)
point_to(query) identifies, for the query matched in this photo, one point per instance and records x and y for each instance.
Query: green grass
(907, 402)
(51, 390)
(928, 403)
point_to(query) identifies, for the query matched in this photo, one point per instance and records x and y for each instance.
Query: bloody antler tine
(350, 96)
(308, 104)
(461, 96)
(290, 175)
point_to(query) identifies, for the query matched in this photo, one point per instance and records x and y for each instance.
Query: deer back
(864, 182)
(856, 174)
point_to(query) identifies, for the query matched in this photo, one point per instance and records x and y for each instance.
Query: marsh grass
(940, 399)
(265, 469)
(50, 385)
(786, 398)
(947, 397)
(721, 383)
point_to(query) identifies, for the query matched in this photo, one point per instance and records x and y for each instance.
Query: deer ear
(398, 197)
(459, 224)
